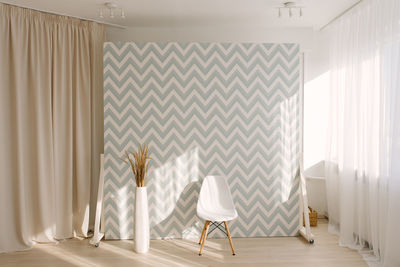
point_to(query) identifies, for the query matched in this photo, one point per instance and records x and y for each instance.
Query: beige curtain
(51, 119)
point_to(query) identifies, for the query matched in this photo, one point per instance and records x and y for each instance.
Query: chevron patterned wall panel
(203, 108)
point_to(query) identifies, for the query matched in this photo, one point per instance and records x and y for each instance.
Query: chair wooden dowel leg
(202, 233)
(229, 237)
(204, 237)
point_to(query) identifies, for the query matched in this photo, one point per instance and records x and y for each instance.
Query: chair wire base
(217, 225)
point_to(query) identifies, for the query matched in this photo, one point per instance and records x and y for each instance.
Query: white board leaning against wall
(229, 109)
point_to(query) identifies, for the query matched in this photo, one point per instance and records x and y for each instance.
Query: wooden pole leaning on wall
(99, 217)
(304, 231)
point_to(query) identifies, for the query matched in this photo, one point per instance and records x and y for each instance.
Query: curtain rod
(75, 17)
(340, 15)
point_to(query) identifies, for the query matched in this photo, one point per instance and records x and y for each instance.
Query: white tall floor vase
(141, 221)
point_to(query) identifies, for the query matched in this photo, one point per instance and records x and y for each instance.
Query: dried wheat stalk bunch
(139, 162)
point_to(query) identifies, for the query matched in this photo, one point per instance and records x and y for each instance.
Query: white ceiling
(197, 13)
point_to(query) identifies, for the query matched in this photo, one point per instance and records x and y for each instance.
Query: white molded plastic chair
(215, 206)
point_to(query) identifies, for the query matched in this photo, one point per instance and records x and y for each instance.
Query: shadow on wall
(174, 188)
(183, 216)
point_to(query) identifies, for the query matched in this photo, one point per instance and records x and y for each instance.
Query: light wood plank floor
(278, 251)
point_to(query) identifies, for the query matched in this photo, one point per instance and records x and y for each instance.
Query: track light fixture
(290, 7)
(111, 9)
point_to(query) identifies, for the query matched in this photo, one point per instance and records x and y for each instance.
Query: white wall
(303, 36)
(316, 103)
(316, 84)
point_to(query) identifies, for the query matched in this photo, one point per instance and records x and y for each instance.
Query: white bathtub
(316, 190)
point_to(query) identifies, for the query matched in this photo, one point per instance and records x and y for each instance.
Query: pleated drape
(50, 131)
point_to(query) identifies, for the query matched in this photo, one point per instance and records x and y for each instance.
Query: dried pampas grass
(139, 163)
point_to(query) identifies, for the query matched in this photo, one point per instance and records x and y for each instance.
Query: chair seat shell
(215, 200)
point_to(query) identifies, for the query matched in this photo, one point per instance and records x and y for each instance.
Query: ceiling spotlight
(288, 7)
(111, 9)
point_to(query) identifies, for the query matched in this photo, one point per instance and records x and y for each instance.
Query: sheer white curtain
(391, 162)
(363, 136)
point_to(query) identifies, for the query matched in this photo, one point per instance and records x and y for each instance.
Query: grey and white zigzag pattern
(203, 108)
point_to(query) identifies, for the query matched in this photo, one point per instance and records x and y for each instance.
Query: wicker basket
(313, 215)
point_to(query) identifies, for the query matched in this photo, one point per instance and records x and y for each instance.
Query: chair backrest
(215, 194)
